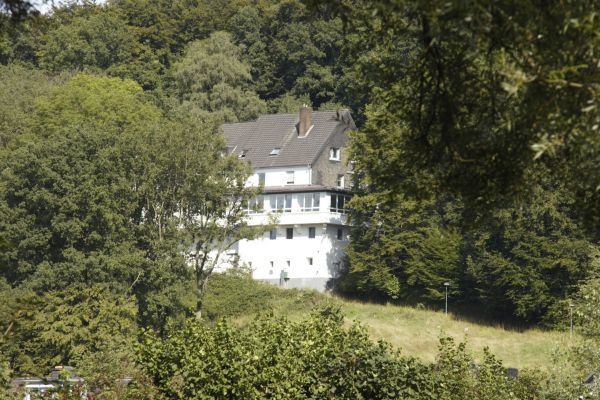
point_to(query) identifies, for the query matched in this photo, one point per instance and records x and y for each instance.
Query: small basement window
(289, 233)
(275, 151)
(340, 234)
(312, 232)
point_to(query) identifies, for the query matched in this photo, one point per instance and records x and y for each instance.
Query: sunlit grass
(415, 332)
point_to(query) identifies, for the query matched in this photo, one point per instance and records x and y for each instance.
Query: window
(340, 234)
(256, 205)
(273, 234)
(280, 202)
(340, 181)
(243, 154)
(310, 260)
(334, 153)
(261, 178)
(288, 263)
(276, 202)
(309, 201)
(338, 203)
(312, 232)
(275, 151)
(289, 233)
(290, 177)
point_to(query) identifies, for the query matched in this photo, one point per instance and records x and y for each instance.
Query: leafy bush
(236, 293)
(317, 358)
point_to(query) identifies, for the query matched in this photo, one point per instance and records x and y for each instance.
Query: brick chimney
(305, 120)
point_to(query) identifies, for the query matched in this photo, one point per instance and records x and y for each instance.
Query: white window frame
(338, 203)
(289, 177)
(309, 202)
(341, 180)
(335, 153)
(280, 202)
(256, 205)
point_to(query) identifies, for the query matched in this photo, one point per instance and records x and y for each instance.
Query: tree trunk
(201, 279)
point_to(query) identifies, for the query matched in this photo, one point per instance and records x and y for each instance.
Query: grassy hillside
(416, 332)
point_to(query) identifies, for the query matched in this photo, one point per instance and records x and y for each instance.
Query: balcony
(300, 218)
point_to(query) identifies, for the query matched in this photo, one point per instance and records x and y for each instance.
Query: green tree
(20, 86)
(527, 259)
(212, 77)
(402, 250)
(99, 41)
(74, 199)
(288, 104)
(88, 327)
(478, 92)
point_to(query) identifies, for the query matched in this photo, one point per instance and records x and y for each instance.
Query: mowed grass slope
(415, 332)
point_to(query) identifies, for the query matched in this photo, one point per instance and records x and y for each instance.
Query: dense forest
(475, 164)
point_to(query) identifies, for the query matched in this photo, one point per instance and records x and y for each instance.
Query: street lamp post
(571, 317)
(446, 284)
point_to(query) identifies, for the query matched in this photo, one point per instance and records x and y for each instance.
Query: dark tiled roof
(258, 138)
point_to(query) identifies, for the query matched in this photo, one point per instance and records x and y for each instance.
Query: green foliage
(528, 259)
(314, 358)
(105, 188)
(99, 41)
(19, 86)
(88, 327)
(401, 249)
(585, 355)
(475, 94)
(288, 104)
(212, 77)
(235, 293)
(94, 102)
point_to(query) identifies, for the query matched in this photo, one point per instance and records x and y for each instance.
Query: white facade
(307, 245)
(278, 176)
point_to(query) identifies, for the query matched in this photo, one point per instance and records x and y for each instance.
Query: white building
(301, 160)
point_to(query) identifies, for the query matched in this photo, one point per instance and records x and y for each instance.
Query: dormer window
(334, 153)
(275, 151)
(243, 154)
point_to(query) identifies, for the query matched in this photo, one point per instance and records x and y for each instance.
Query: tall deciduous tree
(212, 77)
